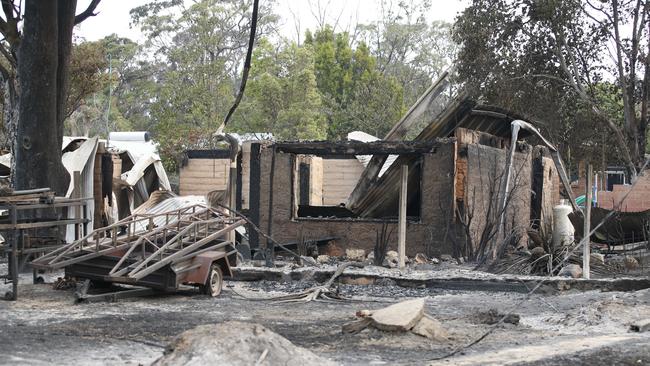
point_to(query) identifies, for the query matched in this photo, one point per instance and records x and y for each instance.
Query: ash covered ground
(45, 326)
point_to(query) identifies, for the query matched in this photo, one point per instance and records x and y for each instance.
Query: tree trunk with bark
(44, 54)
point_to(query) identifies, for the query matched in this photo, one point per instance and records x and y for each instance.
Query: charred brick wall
(429, 235)
(545, 191)
(483, 173)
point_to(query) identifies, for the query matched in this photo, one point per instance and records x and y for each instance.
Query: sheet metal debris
(622, 228)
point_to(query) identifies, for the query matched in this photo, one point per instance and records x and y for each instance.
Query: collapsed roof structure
(119, 173)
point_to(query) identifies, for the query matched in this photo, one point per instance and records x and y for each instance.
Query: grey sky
(114, 17)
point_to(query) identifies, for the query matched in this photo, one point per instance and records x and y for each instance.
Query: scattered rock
(399, 317)
(363, 313)
(371, 256)
(421, 258)
(333, 250)
(630, 263)
(390, 263)
(391, 260)
(571, 270)
(392, 254)
(362, 281)
(323, 258)
(430, 328)
(305, 259)
(460, 260)
(640, 326)
(356, 255)
(356, 326)
(493, 316)
(435, 260)
(236, 343)
(446, 258)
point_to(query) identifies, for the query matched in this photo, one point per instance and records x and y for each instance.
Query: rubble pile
(236, 343)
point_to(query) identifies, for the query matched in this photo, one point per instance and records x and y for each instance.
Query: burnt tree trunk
(43, 60)
(66, 21)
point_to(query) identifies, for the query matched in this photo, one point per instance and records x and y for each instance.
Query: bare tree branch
(621, 71)
(577, 86)
(10, 10)
(89, 12)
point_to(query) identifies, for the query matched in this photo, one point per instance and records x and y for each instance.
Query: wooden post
(232, 191)
(401, 244)
(586, 249)
(13, 259)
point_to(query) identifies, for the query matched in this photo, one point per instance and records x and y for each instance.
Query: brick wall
(483, 176)
(550, 194)
(638, 199)
(481, 170)
(429, 233)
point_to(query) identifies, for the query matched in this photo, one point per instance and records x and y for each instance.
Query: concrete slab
(430, 328)
(399, 317)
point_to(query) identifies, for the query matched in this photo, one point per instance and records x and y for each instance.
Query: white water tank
(562, 228)
(141, 136)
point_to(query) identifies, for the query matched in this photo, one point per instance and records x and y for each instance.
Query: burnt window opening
(323, 183)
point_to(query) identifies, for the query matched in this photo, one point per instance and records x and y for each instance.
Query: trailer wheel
(214, 283)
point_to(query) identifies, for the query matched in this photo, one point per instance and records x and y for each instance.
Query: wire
(247, 66)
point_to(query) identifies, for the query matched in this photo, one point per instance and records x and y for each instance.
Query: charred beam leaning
(398, 132)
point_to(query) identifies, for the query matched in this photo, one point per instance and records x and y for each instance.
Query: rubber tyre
(214, 283)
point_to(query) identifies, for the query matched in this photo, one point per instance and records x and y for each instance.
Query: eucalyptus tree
(282, 95)
(576, 65)
(196, 51)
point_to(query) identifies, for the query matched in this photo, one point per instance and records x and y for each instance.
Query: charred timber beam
(254, 195)
(358, 148)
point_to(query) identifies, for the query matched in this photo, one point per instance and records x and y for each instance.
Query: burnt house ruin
(347, 193)
(455, 168)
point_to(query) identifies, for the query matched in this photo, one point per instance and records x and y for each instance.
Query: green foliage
(88, 75)
(200, 48)
(282, 96)
(356, 95)
(180, 83)
(104, 72)
(555, 61)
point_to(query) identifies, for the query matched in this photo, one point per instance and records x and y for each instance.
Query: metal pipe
(515, 126)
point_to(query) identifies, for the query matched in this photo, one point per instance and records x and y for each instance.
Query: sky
(114, 17)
